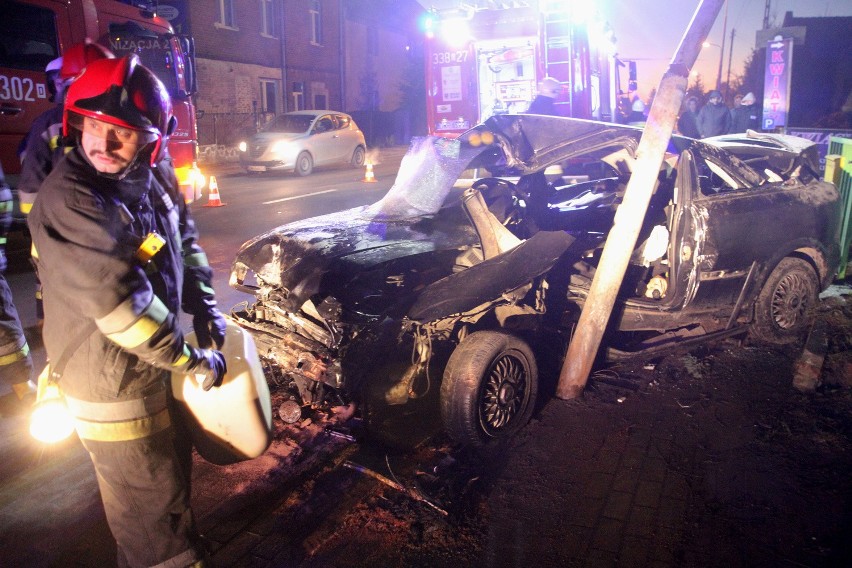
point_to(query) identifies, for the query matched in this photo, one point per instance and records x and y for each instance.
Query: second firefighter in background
(44, 146)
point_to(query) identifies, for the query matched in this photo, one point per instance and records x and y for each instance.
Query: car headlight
(242, 146)
(281, 147)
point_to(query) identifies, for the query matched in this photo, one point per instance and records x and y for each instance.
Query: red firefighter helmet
(124, 93)
(79, 55)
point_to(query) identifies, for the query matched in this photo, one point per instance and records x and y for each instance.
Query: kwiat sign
(776, 86)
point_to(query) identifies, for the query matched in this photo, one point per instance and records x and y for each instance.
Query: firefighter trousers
(144, 485)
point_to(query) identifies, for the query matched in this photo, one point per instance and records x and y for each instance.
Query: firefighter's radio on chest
(149, 247)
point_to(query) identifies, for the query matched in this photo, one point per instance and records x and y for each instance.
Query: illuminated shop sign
(776, 83)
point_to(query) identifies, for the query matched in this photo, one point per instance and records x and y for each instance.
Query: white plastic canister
(232, 422)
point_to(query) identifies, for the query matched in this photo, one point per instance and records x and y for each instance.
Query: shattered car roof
(782, 151)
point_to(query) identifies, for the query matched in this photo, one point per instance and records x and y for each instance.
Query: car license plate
(257, 168)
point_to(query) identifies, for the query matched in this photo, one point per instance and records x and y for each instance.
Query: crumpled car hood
(295, 256)
(292, 259)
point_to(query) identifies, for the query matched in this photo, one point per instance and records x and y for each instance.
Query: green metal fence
(838, 170)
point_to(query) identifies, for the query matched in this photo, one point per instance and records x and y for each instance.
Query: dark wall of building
(362, 63)
(243, 43)
(822, 73)
(316, 66)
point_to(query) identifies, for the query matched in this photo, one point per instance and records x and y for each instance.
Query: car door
(342, 140)
(686, 227)
(737, 221)
(325, 140)
(348, 136)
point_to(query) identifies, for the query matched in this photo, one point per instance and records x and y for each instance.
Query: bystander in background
(746, 116)
(687, 123)
(714, 118)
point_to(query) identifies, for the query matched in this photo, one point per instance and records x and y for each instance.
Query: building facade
(257, 58)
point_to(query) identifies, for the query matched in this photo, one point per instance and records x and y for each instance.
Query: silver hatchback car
(297, 141)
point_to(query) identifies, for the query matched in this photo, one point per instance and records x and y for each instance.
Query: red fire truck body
(33, 32)
(482, 62)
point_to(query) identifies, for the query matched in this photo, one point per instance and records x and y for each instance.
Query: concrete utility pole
(722, 49)
(628, 219)
(730, 58)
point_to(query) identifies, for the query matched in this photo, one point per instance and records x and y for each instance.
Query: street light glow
(455, 31)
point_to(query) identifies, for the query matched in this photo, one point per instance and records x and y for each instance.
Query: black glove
(209, 363)
(209, 328)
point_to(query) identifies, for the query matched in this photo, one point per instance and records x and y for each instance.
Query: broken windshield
(427, 174)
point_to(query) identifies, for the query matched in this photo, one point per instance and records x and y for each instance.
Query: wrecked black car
(487, 244)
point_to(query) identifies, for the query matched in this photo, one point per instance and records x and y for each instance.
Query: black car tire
(359, 156)
(784, 308)
(489, 388)
(304, 164)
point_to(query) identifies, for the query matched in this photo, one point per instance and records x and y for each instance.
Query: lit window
(267, 18)
(226, 14)
(316, 22)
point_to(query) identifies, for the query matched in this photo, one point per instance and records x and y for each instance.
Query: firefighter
(15, 361)
(44, 142)
(54, 87)
(44, 146)
(545, 100)
(637, 112)
(117, 253)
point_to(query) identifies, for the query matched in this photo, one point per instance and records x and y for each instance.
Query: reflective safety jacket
(42, 151)
(88, 231)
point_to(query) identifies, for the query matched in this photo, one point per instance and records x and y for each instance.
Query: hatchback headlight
(281, 147)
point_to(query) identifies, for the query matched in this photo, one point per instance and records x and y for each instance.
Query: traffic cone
(369, 176)
(213, 199)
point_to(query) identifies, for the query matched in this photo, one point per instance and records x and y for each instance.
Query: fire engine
(489, 60)
(34, 32)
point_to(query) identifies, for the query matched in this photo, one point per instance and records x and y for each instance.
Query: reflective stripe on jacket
(120, 421)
